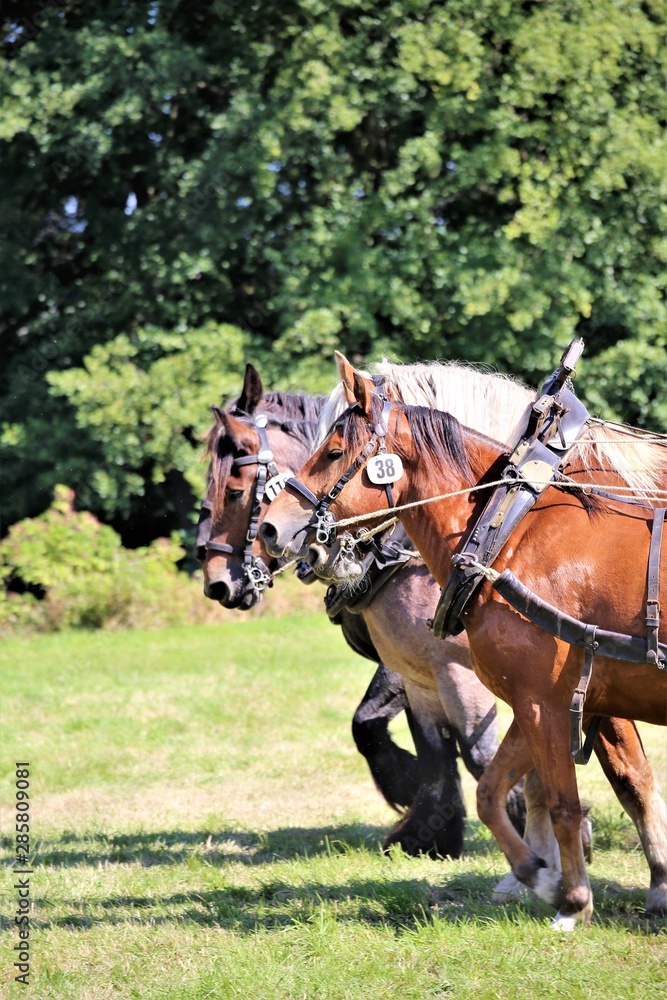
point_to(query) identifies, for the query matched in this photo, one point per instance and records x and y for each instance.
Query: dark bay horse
(587, 558)
(450, 712)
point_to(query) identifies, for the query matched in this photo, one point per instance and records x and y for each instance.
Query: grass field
(203, 828)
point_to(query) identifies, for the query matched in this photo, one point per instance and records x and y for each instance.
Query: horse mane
(434, 433)
(498, 406)
(288, 405)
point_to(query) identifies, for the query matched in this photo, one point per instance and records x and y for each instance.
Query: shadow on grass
(214, 847)
(269, 902)
(220, 847)
(401, 904)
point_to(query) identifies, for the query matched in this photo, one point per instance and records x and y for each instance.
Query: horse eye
(334, 454)
(233, 494)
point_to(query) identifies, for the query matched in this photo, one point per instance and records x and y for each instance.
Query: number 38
(385, 469)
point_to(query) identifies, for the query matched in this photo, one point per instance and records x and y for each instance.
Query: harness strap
(653, 587)
(578, 751)
(297, 487)
(256, 572)
(230, 550)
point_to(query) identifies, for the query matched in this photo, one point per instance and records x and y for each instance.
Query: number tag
(273, 486)
(386, 468)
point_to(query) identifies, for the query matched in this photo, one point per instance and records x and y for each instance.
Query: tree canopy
(190, 185)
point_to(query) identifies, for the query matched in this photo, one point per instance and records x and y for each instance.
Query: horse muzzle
(280, 544)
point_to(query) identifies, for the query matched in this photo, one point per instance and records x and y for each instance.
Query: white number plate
(274, 485)
(384, 469)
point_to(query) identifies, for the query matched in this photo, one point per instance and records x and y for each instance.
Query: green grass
(204, 828)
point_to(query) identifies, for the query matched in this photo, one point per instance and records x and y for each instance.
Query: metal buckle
(325, 529)
(347, 547)
(258, 579)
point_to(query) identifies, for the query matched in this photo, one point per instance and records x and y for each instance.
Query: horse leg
(548, 744)
(621, 754)
(471, 711)
(395, 771)
(434, 824)
(538, 835)
(511, 762)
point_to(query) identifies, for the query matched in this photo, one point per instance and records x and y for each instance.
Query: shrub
(88, 579)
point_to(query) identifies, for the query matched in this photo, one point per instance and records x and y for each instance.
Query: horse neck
(438, 528)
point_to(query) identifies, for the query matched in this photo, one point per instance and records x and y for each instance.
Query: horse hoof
(656, 902)
(509, 890)
(547, 884)
(568, 922)
(563, 923)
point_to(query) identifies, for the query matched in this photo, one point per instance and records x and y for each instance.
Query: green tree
(465, 179)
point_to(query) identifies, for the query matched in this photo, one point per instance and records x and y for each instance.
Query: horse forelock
(220, 448)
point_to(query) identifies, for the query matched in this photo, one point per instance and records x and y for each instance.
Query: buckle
(325, 529)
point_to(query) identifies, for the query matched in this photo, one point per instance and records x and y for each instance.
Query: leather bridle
(257, 573)
(323, 521)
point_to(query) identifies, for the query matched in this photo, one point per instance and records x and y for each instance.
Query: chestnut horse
(448, 710)
(587, 558)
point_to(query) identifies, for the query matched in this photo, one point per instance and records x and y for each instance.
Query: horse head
(252, 450)
(338, 475)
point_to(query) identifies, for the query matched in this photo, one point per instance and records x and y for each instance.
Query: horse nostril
(269, 536)
(316, 556)
(218, 592)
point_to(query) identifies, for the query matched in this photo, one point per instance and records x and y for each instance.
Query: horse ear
(346, 372)
(252, 391)
(363, 393)
(233, 428)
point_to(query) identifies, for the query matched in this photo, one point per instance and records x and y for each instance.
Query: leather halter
(323, 520)
(257, 573)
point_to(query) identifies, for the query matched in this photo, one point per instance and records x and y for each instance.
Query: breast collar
(257, 573)
(323, 521)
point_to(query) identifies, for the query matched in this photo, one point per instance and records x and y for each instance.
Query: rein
(565, 483)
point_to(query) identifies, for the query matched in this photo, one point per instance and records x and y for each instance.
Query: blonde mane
(498, 406)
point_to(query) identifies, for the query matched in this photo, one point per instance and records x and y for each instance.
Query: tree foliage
(186, 185)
